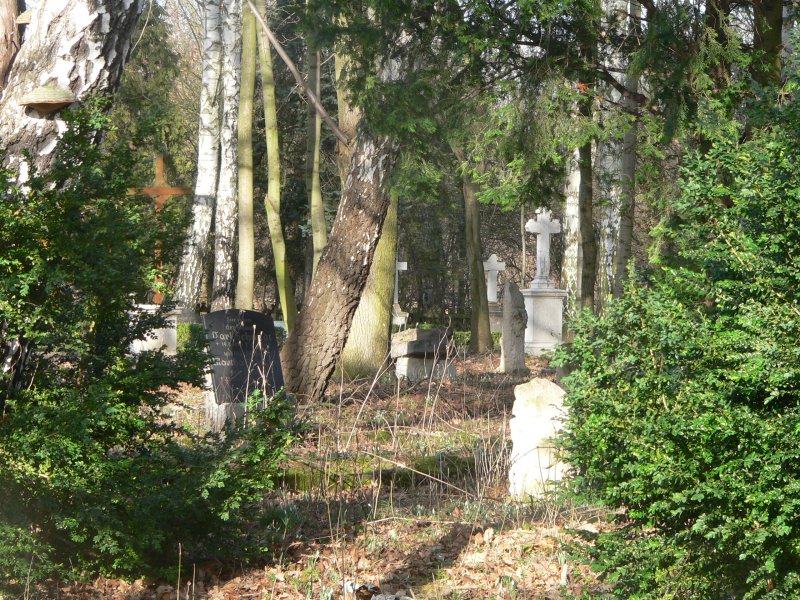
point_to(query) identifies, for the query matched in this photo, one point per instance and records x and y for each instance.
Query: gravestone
(399, 316)
(512, 342)
(537, 418)
(245, 355)
(492, 269)
(422, 354)
(543, 302)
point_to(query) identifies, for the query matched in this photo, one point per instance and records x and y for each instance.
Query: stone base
(495, 317)
(416, 369)
(164, 338)
(545, 308)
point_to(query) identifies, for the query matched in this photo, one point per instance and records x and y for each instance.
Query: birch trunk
(312, 351)
(571, 262)
(272, 201)
(319, 228)
(190, 273)
(246, 260)
(81, 45)
(9, 37)
(224, 287)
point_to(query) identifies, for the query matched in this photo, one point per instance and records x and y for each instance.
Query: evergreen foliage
(685, 396)
(94, 476)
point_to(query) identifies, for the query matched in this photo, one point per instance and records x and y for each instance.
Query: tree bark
(768, 17)
(224, 287)
(272, 200)
(481, 334)
(367, 347)
(588, 244)
(571, 262)
(348, 116)
(312, 351)
(80, 45)
(319, 228)
(246, 260)
(9, 37)
(190, 273)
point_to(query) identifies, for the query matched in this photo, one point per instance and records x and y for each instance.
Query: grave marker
(543, 225)
(492, 268)
(245, 352)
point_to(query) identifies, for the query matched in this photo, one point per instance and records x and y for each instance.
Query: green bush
(94, 477)
(685, 396)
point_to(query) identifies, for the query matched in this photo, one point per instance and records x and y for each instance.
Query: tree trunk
(246, 260)
(624, 249)
(571, 262)
(348, 116)
(367, 347)
(481, 334)
(9, 37)
(588, 245)
(80, 45)
(768, 17)
(312, 351)
(224, 287)
(319, 228)
(272, 201)
(191, 271)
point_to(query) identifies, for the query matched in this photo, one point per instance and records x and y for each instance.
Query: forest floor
(403, 487)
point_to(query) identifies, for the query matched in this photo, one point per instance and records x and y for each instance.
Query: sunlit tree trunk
(223, 289)
(312, 351)
(272, 201)
(246, 259)
(367, 347)
(80, 45)
(191, 270)
(348, 116)
(9, 38)
(571, 263)
(319, 231)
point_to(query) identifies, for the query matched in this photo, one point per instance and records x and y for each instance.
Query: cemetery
(399, 300)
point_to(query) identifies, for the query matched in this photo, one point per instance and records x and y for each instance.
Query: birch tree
(9, 38)
(80, 46)
(190, 273)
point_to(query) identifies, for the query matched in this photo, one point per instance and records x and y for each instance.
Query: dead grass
(403, 487)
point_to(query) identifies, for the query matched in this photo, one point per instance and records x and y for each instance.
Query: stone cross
(543, 225)
(492, 268)
(398, 266)
(160, 192)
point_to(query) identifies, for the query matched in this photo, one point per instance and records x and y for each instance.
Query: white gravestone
(512, 342)
(399, 316)
(537, 418)
(543, 302)
(492, 269)
(543, 225)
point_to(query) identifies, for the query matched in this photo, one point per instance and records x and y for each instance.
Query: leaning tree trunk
(190, 273)
(367, 346)
(79, 45)
(9, 38)
(313, 349)
(224, 287)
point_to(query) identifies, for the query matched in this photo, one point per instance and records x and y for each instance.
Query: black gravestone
(245, 352)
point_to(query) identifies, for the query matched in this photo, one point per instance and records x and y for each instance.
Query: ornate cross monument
(543, 225)
(543, 302)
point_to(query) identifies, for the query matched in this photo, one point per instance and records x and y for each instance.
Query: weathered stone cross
(492, 268)
(160, 192)
(543, 225)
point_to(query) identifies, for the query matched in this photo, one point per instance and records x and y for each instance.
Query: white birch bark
(80, 45)
(9, 40)
(190, 273)
(224, 288)
(571, 262)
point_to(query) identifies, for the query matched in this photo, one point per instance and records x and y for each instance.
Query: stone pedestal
(164, 338)
(545, 308)
(536, 419)
(422, 354)
(495, 317)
